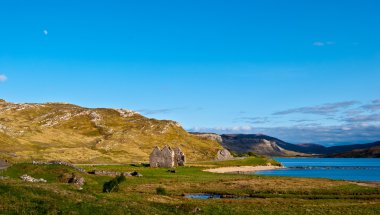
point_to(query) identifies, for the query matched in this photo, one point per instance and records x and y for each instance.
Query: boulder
(224, 154)
(136, 174)
(77, 180)
(4, 164)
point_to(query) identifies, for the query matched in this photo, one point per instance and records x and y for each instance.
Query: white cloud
(325, 109)
(322, 43)
(3, 78)
(318, 43)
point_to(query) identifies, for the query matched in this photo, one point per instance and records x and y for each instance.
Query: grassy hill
(76, 134)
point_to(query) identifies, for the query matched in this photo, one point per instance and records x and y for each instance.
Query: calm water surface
(357, 169)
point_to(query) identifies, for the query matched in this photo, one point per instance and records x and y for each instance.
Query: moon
(46, 32)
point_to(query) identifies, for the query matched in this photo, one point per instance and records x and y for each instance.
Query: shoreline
(243, 169)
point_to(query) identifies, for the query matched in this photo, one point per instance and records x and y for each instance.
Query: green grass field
(137, 195)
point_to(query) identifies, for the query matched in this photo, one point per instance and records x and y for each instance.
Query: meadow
(138, 195)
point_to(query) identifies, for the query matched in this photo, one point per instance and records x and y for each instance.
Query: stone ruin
(223, 154)
(167, 157)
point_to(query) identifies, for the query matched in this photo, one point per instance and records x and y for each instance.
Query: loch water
(355, 169)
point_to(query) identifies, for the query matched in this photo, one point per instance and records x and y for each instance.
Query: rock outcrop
(167, 157)
(77, 180)
(209, 136)
(3, 164)
(28, 178)
(224, 154)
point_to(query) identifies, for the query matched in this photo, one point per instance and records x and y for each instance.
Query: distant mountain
(270, 146)
(372, 152)
(261, 144)
(347, 148)
(60, 131)
(312, 148)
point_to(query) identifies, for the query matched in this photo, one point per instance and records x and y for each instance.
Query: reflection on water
(213, 196)
(203, 196)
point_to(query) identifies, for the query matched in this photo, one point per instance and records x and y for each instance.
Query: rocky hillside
(260, 144)
(209, 136)
(270, 146)
(83, 135)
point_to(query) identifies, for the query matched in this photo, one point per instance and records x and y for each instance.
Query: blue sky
(303, 71)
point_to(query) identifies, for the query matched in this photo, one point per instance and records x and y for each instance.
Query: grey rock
(224, 154)
(4, 164)
(28, 178)
(77, 180)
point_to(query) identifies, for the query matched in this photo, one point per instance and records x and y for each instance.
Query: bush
(113, 185)
(161, 191)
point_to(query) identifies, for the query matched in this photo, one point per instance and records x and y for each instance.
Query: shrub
(161, 191)
(113, 185)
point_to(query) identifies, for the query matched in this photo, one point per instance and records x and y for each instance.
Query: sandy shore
(241, 169)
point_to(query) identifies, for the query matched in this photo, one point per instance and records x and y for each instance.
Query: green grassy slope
(81, 135)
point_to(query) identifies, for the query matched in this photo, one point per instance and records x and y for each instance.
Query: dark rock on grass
(136, 174)
(196, 210)
(172, 171)
(72, 178)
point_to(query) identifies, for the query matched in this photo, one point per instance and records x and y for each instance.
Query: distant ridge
(370, 152)
(270, 146)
